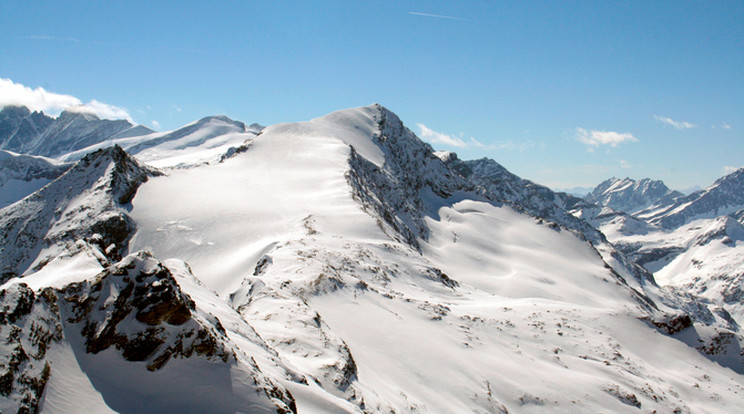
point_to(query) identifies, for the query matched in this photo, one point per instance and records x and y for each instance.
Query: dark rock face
(671, 324)
(393, 192)
(29, 325)
(135, 307)
(146, 299)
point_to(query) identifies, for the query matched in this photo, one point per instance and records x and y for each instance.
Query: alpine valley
(341, 265)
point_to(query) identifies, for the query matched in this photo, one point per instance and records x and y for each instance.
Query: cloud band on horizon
(39, 99)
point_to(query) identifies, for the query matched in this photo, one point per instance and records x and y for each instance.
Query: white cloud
(155, 124)
(440, 138)
(596, 138)
(675, 124)
(101, 109)
(481, 145)
(435, 137)
(624, 164)
(727, 169)
(725, 126)
(39, 99)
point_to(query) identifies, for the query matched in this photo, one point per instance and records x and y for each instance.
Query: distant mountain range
(693, 243)
(35, 133)
(341, 265)
(629, 195)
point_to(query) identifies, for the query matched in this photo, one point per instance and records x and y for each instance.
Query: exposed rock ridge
(86, 206)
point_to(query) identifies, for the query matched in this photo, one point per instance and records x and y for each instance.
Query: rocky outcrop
(392, 192)
(29, 325)
(135, 308)
(130, 306)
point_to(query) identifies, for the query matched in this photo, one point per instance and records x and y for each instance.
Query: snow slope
(21, 175)
(338, 265)
(388, 324)
(202, 141)
(83, 210)
(704, 258)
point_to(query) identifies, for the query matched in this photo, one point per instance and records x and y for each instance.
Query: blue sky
(563, 93)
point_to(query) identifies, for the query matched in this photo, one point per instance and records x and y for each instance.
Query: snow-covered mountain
(202, 141)
(629, 195)
(536, 199)
(35, 133)
(723, 197)
(336, 265)
(83, 210)
(694, 244)
(21, 175)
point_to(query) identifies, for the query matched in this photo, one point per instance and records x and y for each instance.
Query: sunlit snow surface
(537, 322)
(496, 312)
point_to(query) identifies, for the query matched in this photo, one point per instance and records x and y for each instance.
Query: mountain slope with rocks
(24, 132)
(693, 244)
(725, 196)
(338, 265)
(202, 141)
(21, 175)
(631, 196)
(83, 210)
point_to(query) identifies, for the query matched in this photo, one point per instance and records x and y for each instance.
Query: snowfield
(338, 266)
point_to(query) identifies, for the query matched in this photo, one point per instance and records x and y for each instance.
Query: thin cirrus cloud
(436, 16)
(39, 99)
(594, 139)
(675, 124)
(435, 137)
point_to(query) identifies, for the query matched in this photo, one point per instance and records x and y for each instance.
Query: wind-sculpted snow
(340, 266)
(83, 209)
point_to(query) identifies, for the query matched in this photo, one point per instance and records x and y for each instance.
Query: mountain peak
(220, 118)
(14, 111)
(629, 195)
(75, 113)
